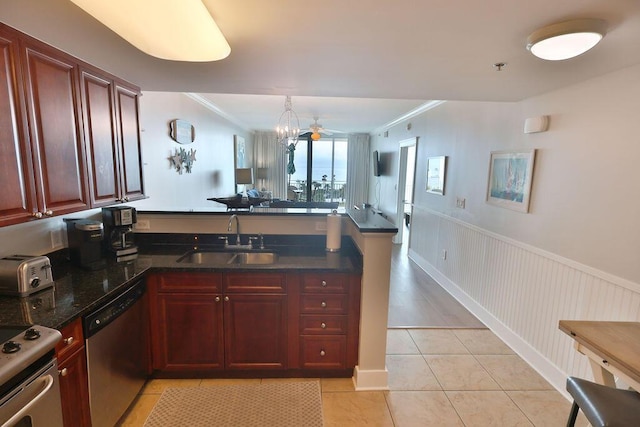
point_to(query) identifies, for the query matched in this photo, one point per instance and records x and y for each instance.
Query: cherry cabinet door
(100, 138)
(18, 201)
(129, 140)
(188, 331)
(255, 331)
(53, 113)
(74, 390)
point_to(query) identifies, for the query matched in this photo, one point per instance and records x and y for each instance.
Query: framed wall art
(510, 177)
(436, 173)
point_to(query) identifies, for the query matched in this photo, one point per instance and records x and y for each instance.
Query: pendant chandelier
(288, 128)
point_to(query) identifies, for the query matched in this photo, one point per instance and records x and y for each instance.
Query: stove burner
(21, 346)
(31, 334)
(10, 347)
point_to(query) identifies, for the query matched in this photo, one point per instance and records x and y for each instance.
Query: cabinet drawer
(324, 282)
(179, 282)
(323, 325)
(319, 352)
(72, 340)
(255, 283)
(324, 304)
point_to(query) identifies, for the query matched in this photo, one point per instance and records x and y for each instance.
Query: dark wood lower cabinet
(189, 332)
(74, 390)
(74, 385)
(255, 331)
(254, 323)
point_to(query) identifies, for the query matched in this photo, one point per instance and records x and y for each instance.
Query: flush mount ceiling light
(565, 40)
(176, 30)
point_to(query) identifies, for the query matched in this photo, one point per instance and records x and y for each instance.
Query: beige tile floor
(437, 377)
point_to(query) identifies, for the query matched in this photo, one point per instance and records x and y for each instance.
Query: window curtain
(358, 166)
(268, 153)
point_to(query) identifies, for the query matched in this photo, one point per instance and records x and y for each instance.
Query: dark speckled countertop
(78, 292)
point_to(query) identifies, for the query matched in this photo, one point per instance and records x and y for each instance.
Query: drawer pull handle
(64, 372)
(68, 341)
(324, 283)
(323, 325)
(322, 353)
(323, 304)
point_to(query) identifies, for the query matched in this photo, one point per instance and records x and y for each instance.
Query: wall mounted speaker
(536, 124)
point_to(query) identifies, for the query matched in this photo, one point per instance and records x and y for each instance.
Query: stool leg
(573, 415)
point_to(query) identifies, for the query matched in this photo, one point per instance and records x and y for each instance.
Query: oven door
(35, 402)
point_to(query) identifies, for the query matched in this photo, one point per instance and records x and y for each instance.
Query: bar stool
(602, 405)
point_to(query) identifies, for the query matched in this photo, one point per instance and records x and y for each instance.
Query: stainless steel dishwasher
(117, 354)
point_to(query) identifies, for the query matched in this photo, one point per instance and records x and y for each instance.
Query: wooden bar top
(617, 343)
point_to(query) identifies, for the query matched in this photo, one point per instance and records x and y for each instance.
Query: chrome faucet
(234, 216)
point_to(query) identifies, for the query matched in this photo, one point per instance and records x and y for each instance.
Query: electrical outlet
(321, 226)
(460, 202)
(444, 254)
(56, 239)
(143, 224)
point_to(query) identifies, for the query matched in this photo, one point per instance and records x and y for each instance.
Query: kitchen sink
(226, 258)
(254, 258)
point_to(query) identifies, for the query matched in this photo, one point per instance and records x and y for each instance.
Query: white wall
(575, 254)
(212, 174)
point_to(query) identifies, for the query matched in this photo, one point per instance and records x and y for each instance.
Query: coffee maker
(118, 229)
(85, 238)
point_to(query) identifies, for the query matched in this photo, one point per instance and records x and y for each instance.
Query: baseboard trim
(364, 380)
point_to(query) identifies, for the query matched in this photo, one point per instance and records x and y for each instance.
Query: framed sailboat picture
(510, 177)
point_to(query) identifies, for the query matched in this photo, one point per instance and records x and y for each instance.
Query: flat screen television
(376, 163)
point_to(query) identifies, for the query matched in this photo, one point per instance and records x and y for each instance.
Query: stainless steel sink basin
(206, 257)
(254, 258)
(226, 258)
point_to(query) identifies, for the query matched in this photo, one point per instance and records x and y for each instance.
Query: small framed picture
(436, 173)
(510, 177)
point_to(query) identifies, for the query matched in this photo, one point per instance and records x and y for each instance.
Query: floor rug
(267, 404)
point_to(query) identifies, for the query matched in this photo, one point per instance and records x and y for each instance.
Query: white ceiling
(357, 65)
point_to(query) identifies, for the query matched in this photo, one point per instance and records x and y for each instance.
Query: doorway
(406, 179)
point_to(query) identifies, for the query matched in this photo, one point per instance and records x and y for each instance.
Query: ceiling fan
(316, 130)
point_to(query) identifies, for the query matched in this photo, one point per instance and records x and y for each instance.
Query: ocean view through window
(321, 171)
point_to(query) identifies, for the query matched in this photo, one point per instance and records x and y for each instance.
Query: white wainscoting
(519, 291)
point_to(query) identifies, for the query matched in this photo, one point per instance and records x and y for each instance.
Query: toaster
(23, 275)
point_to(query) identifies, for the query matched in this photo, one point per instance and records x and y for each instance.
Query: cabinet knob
(68, 341)
(324, 283)
(226, 298)
(48, 212)
(322, 353)
(323, 304)
(323, 325)
(217, 299)
(63, 372)
(37, 215)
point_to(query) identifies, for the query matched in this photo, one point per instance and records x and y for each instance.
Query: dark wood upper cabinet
(112, 138)
(100, 137)
(55, 132)
(18, 201)
(69, 133)
(129, 137)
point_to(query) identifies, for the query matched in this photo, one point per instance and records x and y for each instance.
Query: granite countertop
(78, 292)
